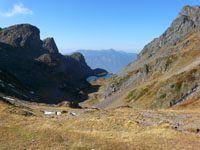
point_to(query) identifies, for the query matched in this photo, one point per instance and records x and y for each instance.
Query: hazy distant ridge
(111, 60)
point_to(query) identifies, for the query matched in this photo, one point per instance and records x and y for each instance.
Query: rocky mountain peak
(159, 56)
(187, 20)
(189, 11)
(21, 36)
(79, 57)
(50, 45)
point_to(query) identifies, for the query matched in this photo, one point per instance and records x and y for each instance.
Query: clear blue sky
(95, 24)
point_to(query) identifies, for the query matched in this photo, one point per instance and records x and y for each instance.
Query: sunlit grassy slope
(169, 78)
(116, 129)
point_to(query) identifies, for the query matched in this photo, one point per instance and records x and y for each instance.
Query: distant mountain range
(111, 60)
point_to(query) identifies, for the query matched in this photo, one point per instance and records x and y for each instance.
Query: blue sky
(95, 24)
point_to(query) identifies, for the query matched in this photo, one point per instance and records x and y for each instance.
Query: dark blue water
(97, 78)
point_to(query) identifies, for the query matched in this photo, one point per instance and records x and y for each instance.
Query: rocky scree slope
(155, 79)
(33, 69)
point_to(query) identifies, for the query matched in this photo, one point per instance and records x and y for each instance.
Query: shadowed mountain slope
(30, 64)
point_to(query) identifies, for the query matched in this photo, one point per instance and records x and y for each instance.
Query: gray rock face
(21, 36)
(190, 11)
(50, 45)
(47, 59)
(78, 57)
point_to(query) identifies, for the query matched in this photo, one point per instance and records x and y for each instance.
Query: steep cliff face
(36, 65)
(159, 62)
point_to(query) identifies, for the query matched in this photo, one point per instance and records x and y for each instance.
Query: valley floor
(93, 129)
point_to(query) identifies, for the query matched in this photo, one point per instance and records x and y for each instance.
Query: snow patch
(8, 98)
(73, 113)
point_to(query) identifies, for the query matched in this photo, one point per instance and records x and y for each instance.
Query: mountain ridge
(38, 66)
(157, 64)
(111, 60)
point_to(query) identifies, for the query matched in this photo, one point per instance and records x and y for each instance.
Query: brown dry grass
(113, 130)
(184, 57)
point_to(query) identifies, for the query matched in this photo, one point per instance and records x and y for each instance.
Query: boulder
(69, 104)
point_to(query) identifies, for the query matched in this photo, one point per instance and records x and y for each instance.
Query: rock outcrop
(30, 64)
(23, 36)
(79, 64)
(50, 45)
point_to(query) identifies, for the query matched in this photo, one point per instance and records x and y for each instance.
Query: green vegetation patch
(178, 85)
(142, 93)
(163, 96)
(29, 136)
(131, 94)
(193, 71)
